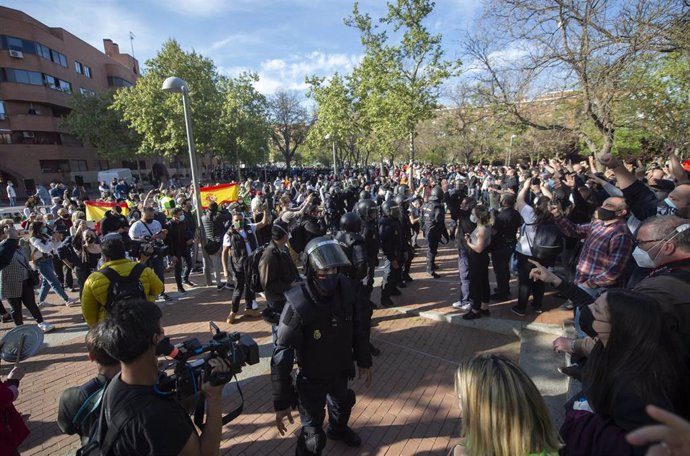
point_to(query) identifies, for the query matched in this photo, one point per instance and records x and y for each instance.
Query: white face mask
(670, 203)
(642, 258)
(181, 217)
(473, 219)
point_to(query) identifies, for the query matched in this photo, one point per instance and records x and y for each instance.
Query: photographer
(73, 416)
(150, 422)
(98, 286)
(149, 230)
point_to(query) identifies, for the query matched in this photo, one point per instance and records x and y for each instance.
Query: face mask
(605, 214)
(586, 320)
(473, 219)
(670, 204)
(180, 218)
(327, 284)
(44, 230)
(237, 225)
(642, 258)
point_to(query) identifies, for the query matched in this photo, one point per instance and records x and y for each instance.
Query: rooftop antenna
(131, 44)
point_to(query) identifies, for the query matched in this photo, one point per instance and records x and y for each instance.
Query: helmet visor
(325, 254)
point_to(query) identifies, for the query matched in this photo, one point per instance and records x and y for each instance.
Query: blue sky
(282, 40)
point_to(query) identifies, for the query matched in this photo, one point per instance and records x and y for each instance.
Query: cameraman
(94, 298)
(149, 230)
(150, 422)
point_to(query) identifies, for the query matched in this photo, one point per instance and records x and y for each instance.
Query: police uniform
(390, 234)
(326, 337)
(434, 227)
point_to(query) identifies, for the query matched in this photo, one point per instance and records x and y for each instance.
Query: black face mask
(586, 321)
(605, 214)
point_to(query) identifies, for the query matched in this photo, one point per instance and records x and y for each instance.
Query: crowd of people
(611, 236)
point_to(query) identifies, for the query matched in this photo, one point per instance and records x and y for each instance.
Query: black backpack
(123, 288)
(253, 276)
(65, 252)
(298, 237)
(548, 241)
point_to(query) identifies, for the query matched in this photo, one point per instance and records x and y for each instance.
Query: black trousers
(500, 258)
(527, 287)
(314, 395)
(82, 273)
(241, 289)
(479, 278)
(408, 256)
(433, 237)
(183, 275)
(28, 298)
(391, 278)
(63, 273)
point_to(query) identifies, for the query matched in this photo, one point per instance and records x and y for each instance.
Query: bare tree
(290, 123)
(581, 47)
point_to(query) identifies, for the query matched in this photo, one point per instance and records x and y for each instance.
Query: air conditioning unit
(29, 134)
(16, 54)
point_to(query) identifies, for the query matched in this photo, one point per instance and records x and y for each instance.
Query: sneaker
(221, 286)
(517, 311)
(41, 303)
(189, 283)
(568, 305)
(433, 274)
(539, 310)
(231, 318)
(472, 315)
(71, 301)
(6, 318)
(462, 305)
(74, 290)
(407, 278)
(46, 327)
(348, 437)
(166, 297)
(181, 289)
(252, 313)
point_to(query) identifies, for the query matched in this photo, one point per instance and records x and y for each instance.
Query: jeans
(13, 201)
(464, 276)
(29, 300)
(179, 274)
(50, 280)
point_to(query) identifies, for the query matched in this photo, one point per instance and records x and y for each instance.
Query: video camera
(190, 369)
(153, 249)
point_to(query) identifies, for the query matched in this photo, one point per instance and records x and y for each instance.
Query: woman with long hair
(532, 218)
(503, 413)
(43, 247)
(636, 361)
(478, 255)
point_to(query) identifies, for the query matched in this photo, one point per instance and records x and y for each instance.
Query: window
(43, 51)
(51, 82)
(58, 58)
(15, 44)
(86, 92)
(5, 137)
(36, 137)
(21, 76)
(77, 67)
(65, 86)
(114, 81)
(3, 113)
(103, 164)
(87, 72)
(54, 166)
(78, 165)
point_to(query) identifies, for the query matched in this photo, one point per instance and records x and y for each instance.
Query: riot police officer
(434, 227)
(369, 213)
(408, 246)
(319, 323)
(390, 234)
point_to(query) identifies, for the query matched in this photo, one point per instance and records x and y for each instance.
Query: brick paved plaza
(410, 409)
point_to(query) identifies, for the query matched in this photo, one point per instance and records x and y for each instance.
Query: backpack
(548, 241)
(65, 251)
(123, 288)
(253, 276)
(93, 390)
(298, 237)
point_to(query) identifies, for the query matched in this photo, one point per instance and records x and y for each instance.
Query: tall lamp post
(176, 85)
(510, 149)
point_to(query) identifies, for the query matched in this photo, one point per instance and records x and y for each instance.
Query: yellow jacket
(95, 292)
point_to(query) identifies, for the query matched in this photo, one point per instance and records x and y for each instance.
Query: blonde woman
(502, 412)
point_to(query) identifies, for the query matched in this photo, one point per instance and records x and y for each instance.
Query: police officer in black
(319, 323)
(433, 215)
(408, 246)
(390, 233)
(369, 213)
(452, 199)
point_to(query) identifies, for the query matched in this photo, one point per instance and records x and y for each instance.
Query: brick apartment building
(41, 67)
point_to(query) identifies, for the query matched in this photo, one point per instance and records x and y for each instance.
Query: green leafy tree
(244, 119)
(398, 82)
(93, 122)
(158, 116)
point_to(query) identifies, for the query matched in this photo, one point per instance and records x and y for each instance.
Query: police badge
(317, 334)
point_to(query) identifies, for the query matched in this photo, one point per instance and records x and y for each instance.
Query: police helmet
(390, 208)
(401, 201)
(403, 190)
(436, 194)
(324, 253)
(364, 195)
(351, 222)
(367, 210)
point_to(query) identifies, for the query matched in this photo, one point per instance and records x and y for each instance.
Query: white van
(108, 175)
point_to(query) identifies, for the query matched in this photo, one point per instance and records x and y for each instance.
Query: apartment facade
(41, 68)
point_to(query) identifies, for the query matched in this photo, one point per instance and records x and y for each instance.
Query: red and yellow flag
(95, 210)
(224, 193)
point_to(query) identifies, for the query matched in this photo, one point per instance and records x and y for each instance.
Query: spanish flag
(224, 193)
(95, 210)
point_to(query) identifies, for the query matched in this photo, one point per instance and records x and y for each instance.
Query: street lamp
(510, 150)
(176, 85)
(335, 166)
